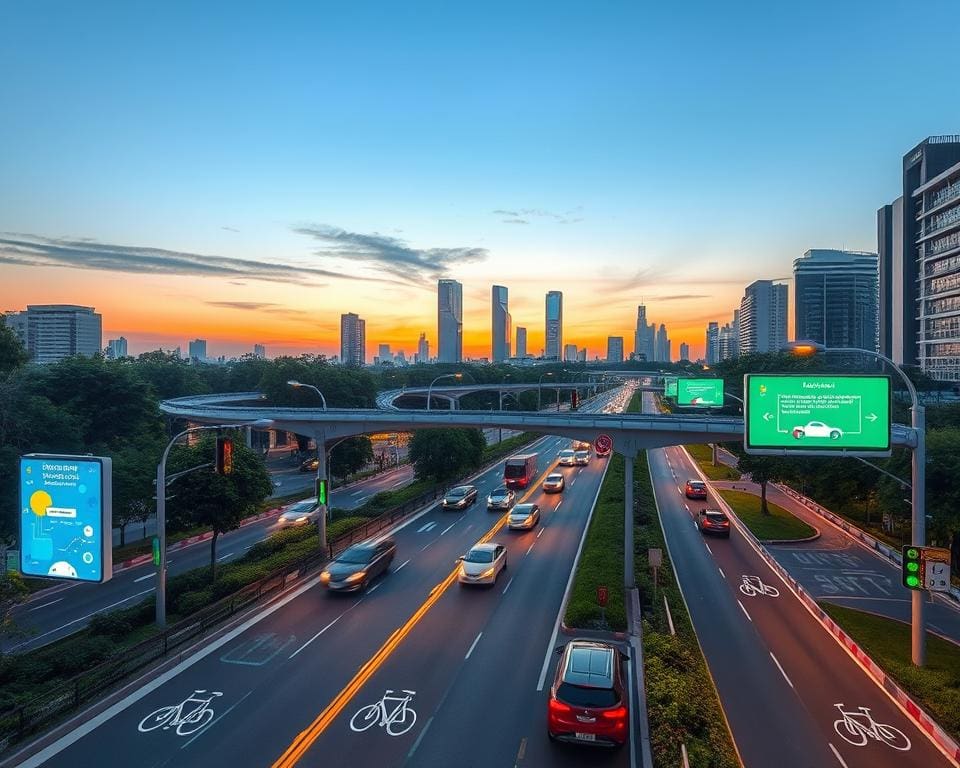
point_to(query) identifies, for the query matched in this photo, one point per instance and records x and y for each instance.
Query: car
(567, 457)
(523, 517)
(310, 465)
(482, 564)
(582, 458)
(696, 489)
(301, 513)
(553, 483)
(713, 521)
(588, 700)
(501, 498)
(460, 497)
(358, 565)
(580, 445)
(817, 429)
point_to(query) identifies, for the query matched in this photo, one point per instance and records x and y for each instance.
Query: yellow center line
(306, 738)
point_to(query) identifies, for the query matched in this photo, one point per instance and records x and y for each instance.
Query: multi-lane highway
(477, 663)
(791, 694)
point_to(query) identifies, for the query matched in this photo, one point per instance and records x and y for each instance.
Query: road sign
(603, 445)
(815, 415)
(66, 517)
(602, 596)
(926, 568)
(669, 386)
(704, 393)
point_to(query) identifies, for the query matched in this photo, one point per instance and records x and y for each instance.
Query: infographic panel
(66, 529)
(705, 393)
(669, 386)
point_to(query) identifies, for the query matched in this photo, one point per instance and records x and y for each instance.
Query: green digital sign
(669, 386)
(700, 393)
(817, 415)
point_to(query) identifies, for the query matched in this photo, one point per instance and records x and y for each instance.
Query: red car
(713, 521)
(588, 699)
(696, 489)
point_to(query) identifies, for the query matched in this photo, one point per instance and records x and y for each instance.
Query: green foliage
(351, 455)
(13, 591)
(443, 454)
(777, 524)
(703, 455)
(114, 624)
(12, 353)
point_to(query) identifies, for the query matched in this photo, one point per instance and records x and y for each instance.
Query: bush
(114, 624)
(191, 602)
(84, 654)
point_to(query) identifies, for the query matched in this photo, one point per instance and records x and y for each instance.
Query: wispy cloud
(681, 297)
(389, 255)
(230, 229)
(524, 215)
(36, 251)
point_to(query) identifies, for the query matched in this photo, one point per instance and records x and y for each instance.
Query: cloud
(523, 215)
(389, 254)
(261, 306)
(37, 251)
(515, 221)
(681, 297)
(230, 229)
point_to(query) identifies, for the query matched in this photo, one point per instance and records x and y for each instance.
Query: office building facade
(197, 350)
(712, 353)
(501, 325)
(259, 351)
(116, 348)
(423, 349)
(684, 352)
(449, 321)
(762, 318)
(353, 340)
(644, 337)
(837, 298)
(52, 332)
(553, 345)
(521, 346)
(614, 349)
(570, 353)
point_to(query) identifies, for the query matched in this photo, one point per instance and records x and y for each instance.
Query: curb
(815, 536)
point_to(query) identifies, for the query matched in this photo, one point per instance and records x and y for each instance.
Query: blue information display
(66, 521)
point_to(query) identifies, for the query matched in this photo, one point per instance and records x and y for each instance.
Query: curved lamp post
(540, 388)
(456, 376)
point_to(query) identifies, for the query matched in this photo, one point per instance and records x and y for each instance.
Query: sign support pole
(918, 634)
(629, 578)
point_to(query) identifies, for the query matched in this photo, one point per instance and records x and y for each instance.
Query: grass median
(779, 525)
(935, 687)
(703, 455)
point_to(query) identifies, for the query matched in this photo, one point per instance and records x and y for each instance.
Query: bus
(519, 471)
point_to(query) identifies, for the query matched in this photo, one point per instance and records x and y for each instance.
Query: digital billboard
(669, 386)
(704, 393)
(817, 415)
(66, 520)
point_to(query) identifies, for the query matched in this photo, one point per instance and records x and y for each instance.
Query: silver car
(482, 564)
(501, 498)
(301, 513)
(582, 458)
(567, 457)
(524, 517)
(553, 483)
(460, 497)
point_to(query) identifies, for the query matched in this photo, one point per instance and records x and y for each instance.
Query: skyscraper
(554, 325)
(353, 340)
(662, 351)
(837, 298)
(684, 352)
(51, 332)
(117, 348)
(259, 351)
(712, 354)
(198, 350)
(763, 318)
(384, 355)
(727, 343)
(521, 349)
(449, 321)
(423, 349)
(501, 324)
(644, 337)
(919, 262)
(614, 349)
(570, 353)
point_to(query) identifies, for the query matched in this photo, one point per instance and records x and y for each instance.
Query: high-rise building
(837, 298)
(918, 240)
(727, 343)
(644, 337)
(423, 349)
(582, 355)
(614, 349)
(662, 350)
(384, 355)
(569, 353)
(554, 325)
(449, 321)
(501, 324)
(259, 351)
(684, 352)
(198, 350)
(521, 346)
(51, 332)
(762, 318)
(116, 348)
(353, 340)
(712, 353)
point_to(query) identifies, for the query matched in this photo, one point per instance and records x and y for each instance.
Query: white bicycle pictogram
(188, 717)
(396, 722)
(858, 727)
(752, 586)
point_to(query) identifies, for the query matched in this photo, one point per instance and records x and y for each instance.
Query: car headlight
(325, 577)
(301, 519)
(487, 573)
(529, 519)
(358, 576)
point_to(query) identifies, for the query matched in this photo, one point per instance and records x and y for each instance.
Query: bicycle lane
(817, 669)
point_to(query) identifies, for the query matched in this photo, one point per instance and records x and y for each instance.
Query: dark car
(460, 497)
(310, 465)
(713, 521)
(358, 565)
(696, 489)
(588, 700)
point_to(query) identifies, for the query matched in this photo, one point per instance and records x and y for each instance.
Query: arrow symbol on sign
(871, 417)
(767, 416)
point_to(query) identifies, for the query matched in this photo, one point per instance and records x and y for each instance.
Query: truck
(519, 470)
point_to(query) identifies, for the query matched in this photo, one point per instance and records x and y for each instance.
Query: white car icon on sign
(817, 429)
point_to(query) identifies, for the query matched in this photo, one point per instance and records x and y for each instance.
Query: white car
(301, 513)
(567, 457)
(523, 517)
(482, 564)
(817, 429)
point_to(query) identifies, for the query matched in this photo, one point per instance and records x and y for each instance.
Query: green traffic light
(913, 567)
(913, 553)
(913, 581)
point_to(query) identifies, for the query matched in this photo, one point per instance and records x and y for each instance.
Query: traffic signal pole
(321, 439)
(918, 635)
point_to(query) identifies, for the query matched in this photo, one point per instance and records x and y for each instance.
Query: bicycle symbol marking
(753, 586)
(187, 717)
(859, 727)
(396, 721)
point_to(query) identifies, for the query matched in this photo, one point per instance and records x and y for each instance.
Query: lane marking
(144, 578)
(521, 753)
(679, 491)
(419, 738)
(686, 507)
(426, 545)
(508, 585)
(775, 661)
(707, 545)
(357, 493)
(449, 527)
(473, 645)
(52, 602)
(744, 610)
(426, 526)
(325, 629)
(374, 587)
(542, 529)
(558, 504)
(224, 557)
(837, 755)
(531, 547)
(722, 574)
(401, 566)
(397, 485)
(216, 720)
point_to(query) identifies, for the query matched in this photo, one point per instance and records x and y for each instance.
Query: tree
(351, 455)
(134, 469)
(217, 502)
(12, 353)
(13, 591)
(443, 454)
(762, 470)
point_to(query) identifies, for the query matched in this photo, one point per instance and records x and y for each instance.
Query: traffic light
(912, 567)
(224, 464)
(321, 490)
(574, 400)
(156, 551)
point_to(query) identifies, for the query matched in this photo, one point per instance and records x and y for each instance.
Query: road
(780, 676)
(474, 658)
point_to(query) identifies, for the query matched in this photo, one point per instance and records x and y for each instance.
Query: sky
(246, 172)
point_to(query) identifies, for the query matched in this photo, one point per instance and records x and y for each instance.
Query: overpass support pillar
(629, 579)
(321, 438)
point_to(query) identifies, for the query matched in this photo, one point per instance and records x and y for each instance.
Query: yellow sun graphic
(39, 501)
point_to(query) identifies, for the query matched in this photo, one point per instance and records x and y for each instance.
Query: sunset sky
(245, 172)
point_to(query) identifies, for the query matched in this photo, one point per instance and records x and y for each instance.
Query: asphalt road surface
(791, 694)
(477, 662)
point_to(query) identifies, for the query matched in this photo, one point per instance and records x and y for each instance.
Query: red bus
(519, 471)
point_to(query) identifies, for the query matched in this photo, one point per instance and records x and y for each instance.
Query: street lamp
(456, 376)
(161, 609)
(540, 388)
(918, 538)
(299, 385)
(320, 438)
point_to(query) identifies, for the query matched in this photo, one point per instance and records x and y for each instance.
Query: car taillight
(615, 714)
(559, 708)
